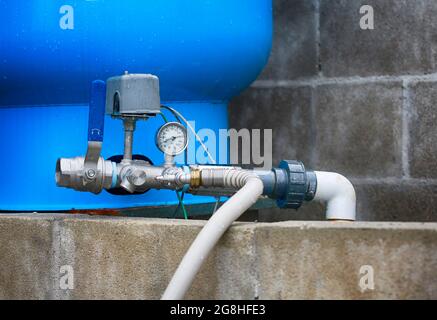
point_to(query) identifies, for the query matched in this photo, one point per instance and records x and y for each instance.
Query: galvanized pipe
(129, 128)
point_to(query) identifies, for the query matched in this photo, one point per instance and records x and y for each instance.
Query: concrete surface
(364, 124)
(134, 258)
(423, 129)
(400, 43)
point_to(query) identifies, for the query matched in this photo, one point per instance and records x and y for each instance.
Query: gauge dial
(172, 138)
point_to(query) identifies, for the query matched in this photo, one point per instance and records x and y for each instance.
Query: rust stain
(96, 212)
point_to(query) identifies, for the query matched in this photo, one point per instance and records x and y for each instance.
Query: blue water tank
(204, 52)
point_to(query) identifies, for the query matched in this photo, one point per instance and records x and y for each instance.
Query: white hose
(339, 194)
(231, 210)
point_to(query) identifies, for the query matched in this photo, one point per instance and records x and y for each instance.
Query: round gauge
(172, 138)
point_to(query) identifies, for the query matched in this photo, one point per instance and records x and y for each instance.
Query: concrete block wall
(134, 258)
(359, 102)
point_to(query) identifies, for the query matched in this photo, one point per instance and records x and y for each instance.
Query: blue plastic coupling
(294, 184)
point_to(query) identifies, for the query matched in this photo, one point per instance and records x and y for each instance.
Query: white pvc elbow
(339, 194)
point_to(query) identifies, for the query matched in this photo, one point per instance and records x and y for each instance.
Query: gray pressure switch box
(133, 95)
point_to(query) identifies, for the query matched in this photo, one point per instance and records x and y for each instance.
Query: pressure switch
(134, 95)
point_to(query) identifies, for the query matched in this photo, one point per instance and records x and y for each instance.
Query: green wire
(163, 117)
(181, 202)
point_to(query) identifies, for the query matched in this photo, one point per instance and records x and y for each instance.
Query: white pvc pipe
(339, 194)
(208, 237)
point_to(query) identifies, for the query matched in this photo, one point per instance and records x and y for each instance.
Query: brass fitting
(196, 179)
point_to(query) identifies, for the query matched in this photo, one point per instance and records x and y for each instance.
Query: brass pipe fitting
(196, 178)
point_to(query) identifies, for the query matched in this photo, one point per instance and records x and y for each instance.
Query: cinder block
(376, 201)
(294, 49)
(359, 129)
(397, 201)
(319, 260)
(403, 41)
(423, 130)
(26, 257)
(135, 259)
(287, 111)
(310, 211)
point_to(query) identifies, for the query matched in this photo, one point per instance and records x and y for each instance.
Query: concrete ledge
(134, 258)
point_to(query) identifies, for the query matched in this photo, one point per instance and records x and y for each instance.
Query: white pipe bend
(339, 193)
(231, 210)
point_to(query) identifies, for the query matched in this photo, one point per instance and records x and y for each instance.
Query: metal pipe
(129, 128)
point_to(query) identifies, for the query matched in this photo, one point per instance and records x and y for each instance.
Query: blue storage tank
(204, 52)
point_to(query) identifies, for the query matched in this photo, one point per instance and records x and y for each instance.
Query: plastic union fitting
(294, 184)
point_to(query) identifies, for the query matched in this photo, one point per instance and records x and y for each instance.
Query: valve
(90, 173)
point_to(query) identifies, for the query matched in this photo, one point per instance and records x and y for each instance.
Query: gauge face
(172, 138)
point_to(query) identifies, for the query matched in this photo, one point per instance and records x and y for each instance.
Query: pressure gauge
(172, 138)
